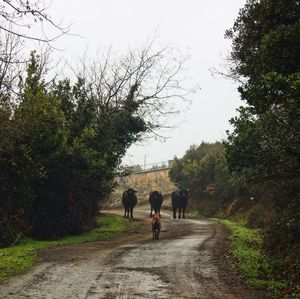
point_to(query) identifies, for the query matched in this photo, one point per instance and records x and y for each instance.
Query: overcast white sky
(195, 24)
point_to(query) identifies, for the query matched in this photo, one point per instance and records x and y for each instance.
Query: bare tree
(18, 17)
(13, 64)
(153, 80)
(22, 20)
(10, 68)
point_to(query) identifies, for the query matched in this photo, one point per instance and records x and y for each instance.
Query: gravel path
(189, 261)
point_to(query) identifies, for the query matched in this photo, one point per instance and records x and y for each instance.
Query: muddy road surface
(189, 261)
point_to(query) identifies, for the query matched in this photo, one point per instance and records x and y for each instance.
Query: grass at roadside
(18, 258)
(246, 247)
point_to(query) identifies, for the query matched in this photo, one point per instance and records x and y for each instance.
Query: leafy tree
(263, 150)
(32, 138)
(63, 143)
(203, 170)
(44, 140)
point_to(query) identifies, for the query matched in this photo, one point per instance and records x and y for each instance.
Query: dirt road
(189, 261)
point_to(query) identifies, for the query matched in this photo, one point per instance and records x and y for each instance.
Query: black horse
(129, 201)
(155, 200)
(179, 201)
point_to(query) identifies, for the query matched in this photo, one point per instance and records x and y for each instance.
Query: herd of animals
(179, 199)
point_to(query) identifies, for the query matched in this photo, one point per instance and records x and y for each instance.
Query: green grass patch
(16, 259)
(246, 247)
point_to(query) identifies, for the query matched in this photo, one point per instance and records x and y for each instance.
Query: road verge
(246, 247)
(18, 258)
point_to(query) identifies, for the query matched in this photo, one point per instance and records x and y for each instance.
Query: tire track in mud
(184, 263)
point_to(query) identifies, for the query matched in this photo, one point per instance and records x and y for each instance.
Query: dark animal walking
(155, 200)
(129, 201)
(179, 201)
(156, 226)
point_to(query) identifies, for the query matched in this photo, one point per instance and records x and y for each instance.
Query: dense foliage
(61, 142)
(59, 152)
(264, 148)
(203, 170)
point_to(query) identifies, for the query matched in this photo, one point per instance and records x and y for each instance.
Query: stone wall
(143, 182)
